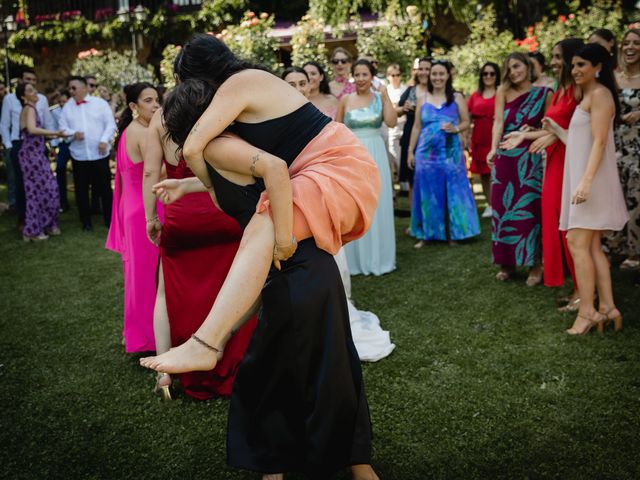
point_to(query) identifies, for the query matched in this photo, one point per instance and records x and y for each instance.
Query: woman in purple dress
(40, 187)
(517, 173)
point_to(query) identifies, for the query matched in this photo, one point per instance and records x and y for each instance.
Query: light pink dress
(128, 237)
(605, 209)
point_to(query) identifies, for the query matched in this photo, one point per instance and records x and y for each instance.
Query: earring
(135, 114)
(598, 74)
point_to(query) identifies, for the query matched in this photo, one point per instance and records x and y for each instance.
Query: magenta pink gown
(128, 237)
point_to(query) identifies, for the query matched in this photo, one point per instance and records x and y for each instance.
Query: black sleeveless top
(285, 137)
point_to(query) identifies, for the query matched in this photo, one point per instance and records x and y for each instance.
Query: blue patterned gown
(441, 189)
(375, 253)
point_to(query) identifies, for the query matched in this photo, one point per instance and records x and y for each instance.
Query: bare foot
(273, 476)
(363, 472)
(188, 357)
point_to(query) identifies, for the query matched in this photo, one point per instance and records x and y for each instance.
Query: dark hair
(634, 31)
(183, 108)
(64, 92)
(87, 77)
(324, 83)
(132, 93)
(495, 67)
(207, 58)
(598, 55)
(537, 55)
(448, 89)
(429, 60)
(77, 78)
(568, 47)
(366, 63)
(293, 69)
(29, 70)
(522, 58)
(20, 92)
(608, 36)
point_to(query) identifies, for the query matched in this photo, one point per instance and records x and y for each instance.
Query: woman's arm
(342, 106)
(551, 127)
(498, 125)
(30, 124)
(234, 155)
(152, 155)
(602, 113)
(388, 111)
(463, 112)
(415, 134)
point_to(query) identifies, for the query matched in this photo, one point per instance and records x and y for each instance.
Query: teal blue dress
(442, 196)
(375, 253)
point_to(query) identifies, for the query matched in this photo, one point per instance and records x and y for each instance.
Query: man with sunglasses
(90, 123)
(10, 131)
(92, 84)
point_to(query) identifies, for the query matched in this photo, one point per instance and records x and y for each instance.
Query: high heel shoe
(590, 324)
(570, 307)
(616, 319)
(163, 390)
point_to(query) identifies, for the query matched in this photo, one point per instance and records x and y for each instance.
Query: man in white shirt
(90, 123)
(10, 131)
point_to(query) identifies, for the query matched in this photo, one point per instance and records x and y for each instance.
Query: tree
(307, 42)
(113, 69)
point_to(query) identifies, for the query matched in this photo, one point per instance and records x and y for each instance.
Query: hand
(491, 157)
(154, 230)
(102, 147)
(411, 161)
(511, 140)
(582, 192)
(542, 143)
(60, 134)
(526, 128)
(168, 191)
(550, 125)
(284, 252)
(631, 118)
(449, 128)
(408, 106)
(78, 136)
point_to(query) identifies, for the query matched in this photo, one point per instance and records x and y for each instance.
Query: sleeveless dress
(127, 236)
(40, 187)
(442, 196)
(481, 110)
(605, 209)
(298, 402)
(375, 253)
(516, 187)
(627, 138)
(198, 245)
(555, 251)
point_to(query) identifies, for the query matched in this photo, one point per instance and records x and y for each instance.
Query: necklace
(630, 77)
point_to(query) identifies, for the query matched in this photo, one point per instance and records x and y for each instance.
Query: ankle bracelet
(205, 344)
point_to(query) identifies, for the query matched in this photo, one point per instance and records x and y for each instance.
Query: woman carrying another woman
(482, 105)
(443, 206)
(363, 112)
(517, 174)
(298, 403)
(592, 200)
(555, 250)
(319, 91)
(41, 190)
(127, 231)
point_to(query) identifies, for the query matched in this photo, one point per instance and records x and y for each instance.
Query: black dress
(298, 402)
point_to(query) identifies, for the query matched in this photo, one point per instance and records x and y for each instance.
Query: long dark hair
(496, 69)
(448, 88)
(608, 36)
(324, 83)
(367, 64)
(20, 92)
(598, 55)
(293, 69)
(568, 47)
(132, 93)
(187, 102)
(207, 58)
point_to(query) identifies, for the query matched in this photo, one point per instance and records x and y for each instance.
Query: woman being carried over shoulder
(592, 200)
(288, 411)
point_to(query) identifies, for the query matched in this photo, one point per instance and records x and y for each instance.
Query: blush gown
(128, 237)
(197, 247)
(298, 403)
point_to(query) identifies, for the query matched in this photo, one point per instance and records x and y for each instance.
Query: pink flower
(264, 15)
(250, 14)
(254, 22)
(572, 16)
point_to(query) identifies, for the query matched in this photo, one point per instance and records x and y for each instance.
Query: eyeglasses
(488, 74)
(394, 75)
(94, 85)
(342, 61)
(72, 88)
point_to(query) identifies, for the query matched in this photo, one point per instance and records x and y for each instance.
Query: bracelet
(154, 219)
(204, 344)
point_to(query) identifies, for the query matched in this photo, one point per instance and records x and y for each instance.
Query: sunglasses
(488, 74)
(342, 61)
(72, 88)
(92, 85)
(394, 75)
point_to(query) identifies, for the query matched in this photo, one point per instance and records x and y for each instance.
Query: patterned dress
(442, 197)
(516, 187)
(40, 187)
(627, 137)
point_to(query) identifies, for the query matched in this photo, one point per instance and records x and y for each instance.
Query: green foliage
(251, 40)
(112, 69)
(307, 42)
(169, 54)
(485, 44)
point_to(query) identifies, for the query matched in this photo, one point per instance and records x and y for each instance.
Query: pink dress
(128, 237)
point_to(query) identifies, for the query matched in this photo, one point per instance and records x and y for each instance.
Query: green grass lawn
(483, 383)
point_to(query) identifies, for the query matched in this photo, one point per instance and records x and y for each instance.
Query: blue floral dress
(442, 196)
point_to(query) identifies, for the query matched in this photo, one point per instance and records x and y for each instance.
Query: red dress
(555, 252)
(481, 110)
(198, 245)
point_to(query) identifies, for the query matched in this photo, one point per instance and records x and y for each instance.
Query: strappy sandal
(591, 323)
(616, 320)
(570, 307)
(163, 390)
(630, 264)
(503, 276)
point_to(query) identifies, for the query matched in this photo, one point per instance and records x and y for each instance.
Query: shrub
(307, 42)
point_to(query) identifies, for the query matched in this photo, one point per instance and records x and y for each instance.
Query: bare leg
(580, 243)
(273, 476)
(486, 187)
(363, 472)
(161, 328)
(603, 278)
(238, 294)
